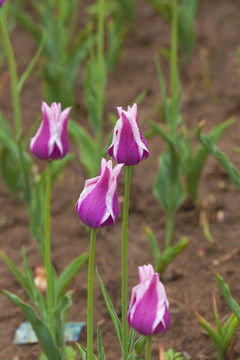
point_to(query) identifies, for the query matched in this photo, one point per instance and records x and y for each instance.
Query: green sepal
(42, 332)
(68, 274)
(114, 317)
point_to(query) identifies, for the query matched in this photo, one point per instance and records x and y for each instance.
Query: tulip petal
(51, 140)
(128, 144)
(98, 203)
(148, 310)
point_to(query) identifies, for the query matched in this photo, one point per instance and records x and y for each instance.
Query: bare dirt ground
(190, 281)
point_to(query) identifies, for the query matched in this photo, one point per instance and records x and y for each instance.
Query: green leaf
(71, 354)
(101, 355)
(30, 67)
(139, 347)
(197, 162)
(228, 297)
(69, 273)
(227, 165)
(60, 314)
(87, 147)
(153, 244)
(168, 187)
(131, 340)
(42, 332)
(114, 317)
(82, 350)
(170, 253)
(229, 329)
(20, 276)
(36, 295)
(209, 329)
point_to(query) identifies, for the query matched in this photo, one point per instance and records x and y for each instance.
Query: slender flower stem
(148, 348)
(90, 295)
(14, 79)
(48, 247)
(16, 104)
(169, 230)
(173, 61)
(124, 261)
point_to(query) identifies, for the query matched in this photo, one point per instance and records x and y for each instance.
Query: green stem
(124, 261)
(101, 73)
(169, 230)
(14, 78)
(16, 105)
(148, 348)
(48, 265)
(173, 61)
(90, 295)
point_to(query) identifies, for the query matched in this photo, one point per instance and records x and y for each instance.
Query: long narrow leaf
(20, 276)
(100, 344)
(69, 273)
(231, 170)
(111, 310)
(30, 67)
(228, 297)
(41, 330)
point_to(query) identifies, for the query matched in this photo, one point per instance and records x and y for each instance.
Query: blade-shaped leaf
(153, 244)
(170, 253)
(198, 160)
(69, 273)
(228, 297)
(101, 354)
(111, 310)
(231, 170)
(41, 330)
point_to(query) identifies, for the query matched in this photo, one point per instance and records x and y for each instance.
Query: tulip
(2, 2)
(97, 205)
(51, 140)
(128, 146)
(148, 311)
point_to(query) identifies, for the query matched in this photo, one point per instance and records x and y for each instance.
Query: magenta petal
(165, 323)
(148, 310)
(39, 143)
(51, 139)
(97, 205)
(93, 208)
(128, 144)
(145, 311)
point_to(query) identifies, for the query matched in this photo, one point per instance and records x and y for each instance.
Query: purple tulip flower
(148, 311)
(51, 139)
(2, 2)
(97, 205)
(128, 146)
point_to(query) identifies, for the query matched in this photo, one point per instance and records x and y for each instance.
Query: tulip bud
(128, 146)
(51, 140)
(148, 311)
(97, 205)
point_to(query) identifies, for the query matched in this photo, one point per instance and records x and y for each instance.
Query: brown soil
(190, 280)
